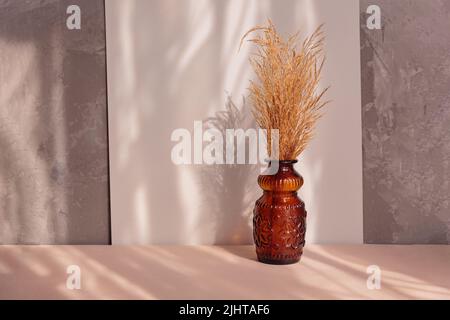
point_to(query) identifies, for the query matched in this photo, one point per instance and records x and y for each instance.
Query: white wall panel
(171, 63)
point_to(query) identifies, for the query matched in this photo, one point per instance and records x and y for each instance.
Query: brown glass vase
(279, 221)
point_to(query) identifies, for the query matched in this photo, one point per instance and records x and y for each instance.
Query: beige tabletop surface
(223, 272)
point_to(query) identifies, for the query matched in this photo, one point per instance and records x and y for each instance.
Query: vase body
(279, 217)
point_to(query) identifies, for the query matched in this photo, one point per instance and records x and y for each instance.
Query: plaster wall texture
(53, 127)
(406, 122)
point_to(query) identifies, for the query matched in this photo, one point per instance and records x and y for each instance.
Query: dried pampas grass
(285, 95)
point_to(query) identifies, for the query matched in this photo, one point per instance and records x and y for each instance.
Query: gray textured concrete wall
(406, 122)
(53, 127)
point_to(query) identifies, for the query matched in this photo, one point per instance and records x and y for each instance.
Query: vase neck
(286, 179)
(283, 165)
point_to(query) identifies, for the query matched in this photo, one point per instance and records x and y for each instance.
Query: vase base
(279, 262)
